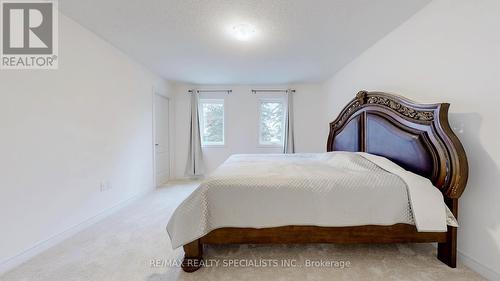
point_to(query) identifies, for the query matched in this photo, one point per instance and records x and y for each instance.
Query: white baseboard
(473, 264)
(12, 262)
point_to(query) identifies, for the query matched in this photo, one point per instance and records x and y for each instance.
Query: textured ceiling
(296, 40)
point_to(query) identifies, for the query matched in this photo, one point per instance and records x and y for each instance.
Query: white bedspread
(323, 189)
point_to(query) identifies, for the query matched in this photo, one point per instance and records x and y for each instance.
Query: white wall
(449, 51)
(65, 131)
(242, 123)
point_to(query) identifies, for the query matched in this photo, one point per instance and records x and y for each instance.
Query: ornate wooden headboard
(416, 136)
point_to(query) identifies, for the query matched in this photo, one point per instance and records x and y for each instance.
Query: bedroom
(99, 139)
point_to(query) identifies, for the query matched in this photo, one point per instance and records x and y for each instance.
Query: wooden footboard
(398, 233)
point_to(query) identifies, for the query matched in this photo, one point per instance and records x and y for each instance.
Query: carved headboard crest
(416, 136)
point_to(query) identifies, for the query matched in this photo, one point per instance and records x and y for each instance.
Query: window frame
(203, 101)
(263, 100)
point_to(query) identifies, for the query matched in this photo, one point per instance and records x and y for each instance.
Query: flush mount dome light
(243, 31)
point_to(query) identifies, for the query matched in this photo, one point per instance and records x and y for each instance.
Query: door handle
(157, 144)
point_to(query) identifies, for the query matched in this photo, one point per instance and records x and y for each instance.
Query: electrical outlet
(105, 185)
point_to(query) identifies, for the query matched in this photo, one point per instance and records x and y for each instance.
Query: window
(272, 122)
(212, 121)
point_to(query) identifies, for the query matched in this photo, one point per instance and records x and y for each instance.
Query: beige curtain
(289, 145)
(194, 166)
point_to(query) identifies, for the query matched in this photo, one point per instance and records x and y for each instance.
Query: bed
(392, 173)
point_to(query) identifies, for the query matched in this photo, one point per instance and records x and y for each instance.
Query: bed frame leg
(447, 252)
(193, 255)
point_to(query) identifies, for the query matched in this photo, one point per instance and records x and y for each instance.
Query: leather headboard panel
(348, 139)
(408, 148)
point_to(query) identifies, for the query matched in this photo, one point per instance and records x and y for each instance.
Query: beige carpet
(124, 246)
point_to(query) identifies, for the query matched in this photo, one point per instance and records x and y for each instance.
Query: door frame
(156, 92)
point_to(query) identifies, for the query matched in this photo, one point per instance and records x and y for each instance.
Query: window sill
(213, 146)
(269, 146)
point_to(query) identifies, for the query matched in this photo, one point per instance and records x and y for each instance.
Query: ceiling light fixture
(243, 31)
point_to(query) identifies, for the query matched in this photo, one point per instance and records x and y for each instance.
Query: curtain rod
(255, 91)
(228, 91)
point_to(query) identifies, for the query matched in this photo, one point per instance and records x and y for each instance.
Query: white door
(162, 159)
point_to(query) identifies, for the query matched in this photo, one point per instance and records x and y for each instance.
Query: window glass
(212, 122)
(272, 119)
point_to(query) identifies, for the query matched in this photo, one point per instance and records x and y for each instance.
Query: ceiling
(296, 40)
